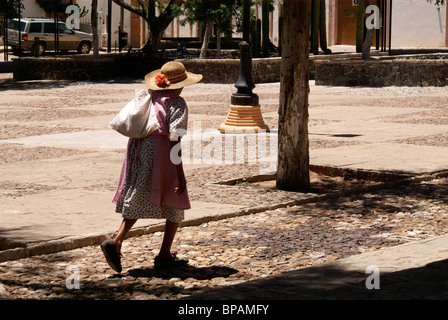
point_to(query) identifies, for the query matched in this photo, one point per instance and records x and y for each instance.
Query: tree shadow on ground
(343, 226)
(331, 282)
(10, 84)
(203, 273)
(151, 283)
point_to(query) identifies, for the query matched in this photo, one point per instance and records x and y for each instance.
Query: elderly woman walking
(151, 184)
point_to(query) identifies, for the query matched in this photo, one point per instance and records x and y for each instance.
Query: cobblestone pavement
(230, 251)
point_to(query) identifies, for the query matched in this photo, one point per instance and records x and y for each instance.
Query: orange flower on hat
(162, 81)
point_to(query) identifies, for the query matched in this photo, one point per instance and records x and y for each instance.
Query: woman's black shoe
(169, 263)
(113, 258)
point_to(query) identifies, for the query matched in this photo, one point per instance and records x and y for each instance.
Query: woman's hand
(182, 184)
(180, 172)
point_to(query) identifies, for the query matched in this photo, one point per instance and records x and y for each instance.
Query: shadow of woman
(203, 273)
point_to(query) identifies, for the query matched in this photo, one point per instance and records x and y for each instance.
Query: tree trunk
(360, 26)
(323, 28)
(155, 36)
(94, 19)
(147, 10)
(315, 12)
(207, 36)
(293, 146)
(369, 36)
(265, 27)
(218, 43)
(367, 44)
(255, 34)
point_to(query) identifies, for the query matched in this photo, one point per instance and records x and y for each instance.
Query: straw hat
(173, 75)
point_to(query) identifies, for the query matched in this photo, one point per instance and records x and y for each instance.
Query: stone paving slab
(89, 139)
(339, 113)
(384, 157)
(371, 131)
(33, 221)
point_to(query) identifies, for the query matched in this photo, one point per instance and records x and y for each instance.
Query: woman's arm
(180, 170)
(177, 120)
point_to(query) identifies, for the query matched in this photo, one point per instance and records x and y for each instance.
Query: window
(48, 27)
(13, 24)
(62, 28)
(35, 27)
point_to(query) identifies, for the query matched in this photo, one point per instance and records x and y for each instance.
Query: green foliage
(83, 11)
(437, 2)
(10, 8)
(220, 12)
(51, 6)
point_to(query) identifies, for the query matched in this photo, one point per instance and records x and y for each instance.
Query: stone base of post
(241, 119)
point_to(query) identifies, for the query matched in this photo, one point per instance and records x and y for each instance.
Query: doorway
(346, 22)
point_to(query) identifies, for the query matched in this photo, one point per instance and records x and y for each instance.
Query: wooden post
(36, 47)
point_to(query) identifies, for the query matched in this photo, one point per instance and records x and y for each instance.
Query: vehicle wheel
(84, 47)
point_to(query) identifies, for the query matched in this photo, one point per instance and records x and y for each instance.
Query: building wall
(176, 30)
(32, 10)
(102, 21)
(415, 23)
(418, 23)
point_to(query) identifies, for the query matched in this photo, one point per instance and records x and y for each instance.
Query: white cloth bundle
(137, 119)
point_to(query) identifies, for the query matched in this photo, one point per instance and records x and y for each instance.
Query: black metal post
(109, 26)
(245, 112)
(246, 20)
(244, 96)
(377, 44)
(56, 27)
(390, 28)
(384, 26)
(20, 30)
(5, 38)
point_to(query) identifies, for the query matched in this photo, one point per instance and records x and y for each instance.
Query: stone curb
(70, 243)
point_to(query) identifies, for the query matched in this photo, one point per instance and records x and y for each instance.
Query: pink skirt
(148, 180)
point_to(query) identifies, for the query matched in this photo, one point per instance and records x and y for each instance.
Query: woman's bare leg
(168, 238)
(125, 226)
